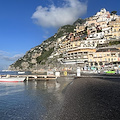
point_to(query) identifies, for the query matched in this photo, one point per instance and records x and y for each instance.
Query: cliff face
(38, 57)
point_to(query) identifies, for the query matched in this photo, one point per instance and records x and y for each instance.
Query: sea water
(33, 100)
(13, 72)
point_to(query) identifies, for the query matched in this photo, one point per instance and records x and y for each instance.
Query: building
(79, 28)
(102, 57)
(93, 42)
(77, 56)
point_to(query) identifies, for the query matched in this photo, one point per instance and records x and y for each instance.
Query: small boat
(20, 72)
(12, 79)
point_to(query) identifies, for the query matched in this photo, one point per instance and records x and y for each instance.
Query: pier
(33, 77)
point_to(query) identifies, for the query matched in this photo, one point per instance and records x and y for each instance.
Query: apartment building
(114, 31)
(104, 56)
(93, 42)
(77, 56)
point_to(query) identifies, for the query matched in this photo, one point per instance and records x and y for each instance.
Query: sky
(25, 24)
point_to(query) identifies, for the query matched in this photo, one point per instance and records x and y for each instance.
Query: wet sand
(91, 99)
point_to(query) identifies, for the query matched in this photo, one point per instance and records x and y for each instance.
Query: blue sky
(25, 24)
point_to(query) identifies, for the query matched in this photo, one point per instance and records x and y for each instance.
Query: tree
(113, 12)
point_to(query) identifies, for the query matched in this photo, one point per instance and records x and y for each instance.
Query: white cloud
(4, 56)
(6, 59)
(3, 52)
(53, 16)
(14, 58)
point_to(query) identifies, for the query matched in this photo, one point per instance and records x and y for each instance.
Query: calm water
(31, 100)
(12, 72)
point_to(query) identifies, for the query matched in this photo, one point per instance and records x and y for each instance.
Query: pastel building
(77, 56)
(104, 56)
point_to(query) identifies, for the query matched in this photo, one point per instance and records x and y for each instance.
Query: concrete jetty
(33, 77)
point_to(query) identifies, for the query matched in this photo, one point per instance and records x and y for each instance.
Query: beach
(91, 99)
(67, 98)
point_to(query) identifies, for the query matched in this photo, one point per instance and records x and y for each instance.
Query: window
(96, 63)
(113, 54)
(95, 55)
(85, 53)
(90, 55)
(100, 63)
(91, 64)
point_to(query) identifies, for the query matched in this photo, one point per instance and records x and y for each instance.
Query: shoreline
(91, 98)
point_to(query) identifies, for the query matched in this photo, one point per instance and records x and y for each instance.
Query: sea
(5, 72)
(31, 100)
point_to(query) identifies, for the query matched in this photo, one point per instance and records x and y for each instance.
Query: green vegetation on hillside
(113, 12)
(114, 43)
(45, 54)
(65, 30)
(18, 63)
(50, 39)
(79, 21)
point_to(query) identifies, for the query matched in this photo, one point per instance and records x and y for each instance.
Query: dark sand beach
(91, 99)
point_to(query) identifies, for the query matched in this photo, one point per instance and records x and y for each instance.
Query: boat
(12, 79)
(20, 72)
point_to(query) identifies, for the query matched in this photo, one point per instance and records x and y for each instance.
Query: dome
(103, 10)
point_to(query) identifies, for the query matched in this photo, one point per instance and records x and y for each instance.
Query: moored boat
(12, 79)
(20, 72)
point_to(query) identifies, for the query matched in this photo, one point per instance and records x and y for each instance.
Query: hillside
(74, 44)
(38, 57)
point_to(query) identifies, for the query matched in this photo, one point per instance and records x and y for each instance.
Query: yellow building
(104, 56)
(65, 46)
(78, 55)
